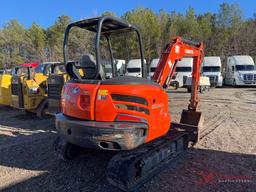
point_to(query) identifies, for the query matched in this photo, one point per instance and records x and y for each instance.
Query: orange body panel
(71, 97)
(158, 117)
(103, 107)
(142, 102)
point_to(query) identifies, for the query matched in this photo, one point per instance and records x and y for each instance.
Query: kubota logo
(188, 51)
(76, 90)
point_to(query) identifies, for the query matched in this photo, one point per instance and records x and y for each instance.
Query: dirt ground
(224, 159)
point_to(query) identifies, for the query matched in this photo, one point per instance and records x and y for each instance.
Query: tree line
(225, 33)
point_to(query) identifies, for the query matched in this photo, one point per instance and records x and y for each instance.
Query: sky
(45, 12)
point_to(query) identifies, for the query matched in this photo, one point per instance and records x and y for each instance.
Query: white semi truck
(212, 68)
(120, 65)
(152, 68)
(134, 68)
(183, 72)
(240, 71)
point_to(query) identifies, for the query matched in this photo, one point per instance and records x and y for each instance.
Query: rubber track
(121, 164)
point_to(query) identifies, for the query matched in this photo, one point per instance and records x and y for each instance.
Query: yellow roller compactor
(56, 77)
(30, 87)
(26, 92)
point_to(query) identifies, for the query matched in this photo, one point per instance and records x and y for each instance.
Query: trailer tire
(41, 111)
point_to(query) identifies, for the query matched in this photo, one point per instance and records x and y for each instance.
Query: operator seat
(88, 65)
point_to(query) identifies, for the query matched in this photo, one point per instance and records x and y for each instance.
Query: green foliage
(54, 38)
(1, 60)
(147, 22)
(14, 43)
(38, 38)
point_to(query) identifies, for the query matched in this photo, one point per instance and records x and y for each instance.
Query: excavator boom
(175, 51)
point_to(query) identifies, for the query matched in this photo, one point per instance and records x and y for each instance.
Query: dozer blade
(191, 122)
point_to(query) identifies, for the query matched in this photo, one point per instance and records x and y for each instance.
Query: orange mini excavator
(123, 113)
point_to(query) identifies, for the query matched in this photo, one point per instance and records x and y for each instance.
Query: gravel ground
(223, 160)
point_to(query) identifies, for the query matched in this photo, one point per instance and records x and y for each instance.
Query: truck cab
(120, 65)
(134, 68)
(240, 71)
(107, 67)
(152, 68)
(183, 71)
(212, 68)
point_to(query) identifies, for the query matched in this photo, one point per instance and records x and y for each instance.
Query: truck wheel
(176, 85)
(234, 83)
(201, 89)
(65, 150)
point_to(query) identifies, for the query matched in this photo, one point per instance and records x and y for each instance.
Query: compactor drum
(5, 89)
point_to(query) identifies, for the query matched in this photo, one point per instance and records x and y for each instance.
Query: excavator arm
(174, 52)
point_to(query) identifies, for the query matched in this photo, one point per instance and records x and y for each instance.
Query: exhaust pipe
(108, 145)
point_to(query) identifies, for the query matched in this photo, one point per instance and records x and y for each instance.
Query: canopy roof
(109, 25)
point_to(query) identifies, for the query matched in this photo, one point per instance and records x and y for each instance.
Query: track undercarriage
(129, 170)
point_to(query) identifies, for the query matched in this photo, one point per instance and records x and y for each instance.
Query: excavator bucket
(191, 122)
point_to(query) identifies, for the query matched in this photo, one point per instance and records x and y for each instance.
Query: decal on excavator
(177, 49)
(103, 92)
(170, 63)
(188, 51)
(76, 90)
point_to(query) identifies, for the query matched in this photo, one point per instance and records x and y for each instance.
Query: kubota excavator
(126, 114)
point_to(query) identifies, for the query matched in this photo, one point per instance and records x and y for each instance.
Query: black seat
(88, 65)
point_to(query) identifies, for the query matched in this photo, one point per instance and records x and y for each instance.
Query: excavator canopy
(106, 24)
(106, 27)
